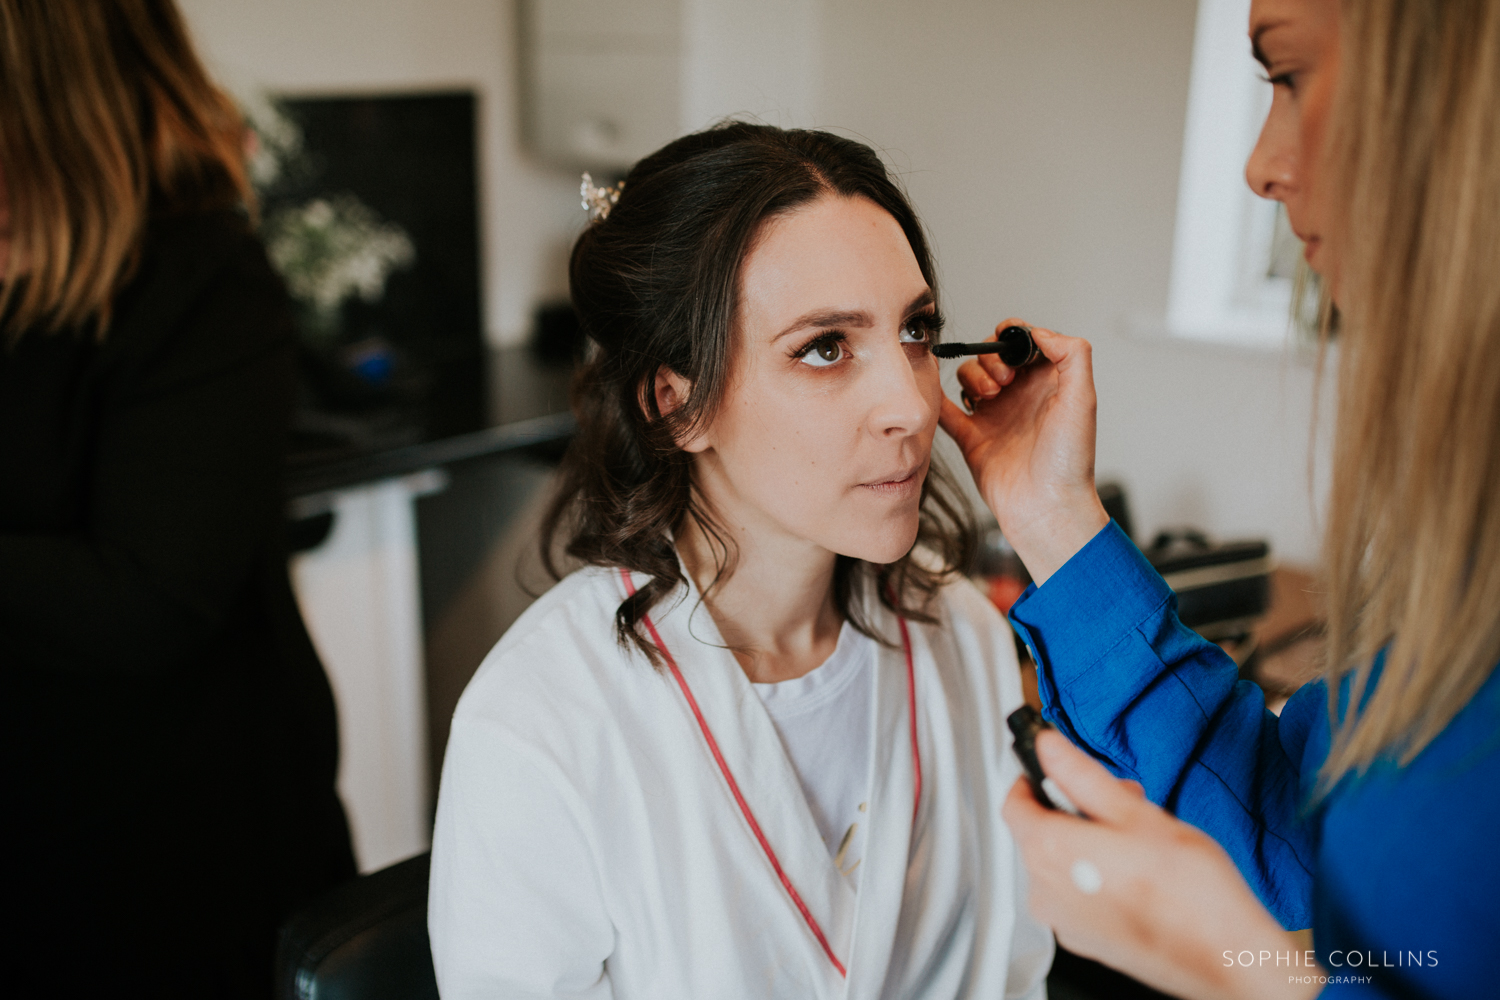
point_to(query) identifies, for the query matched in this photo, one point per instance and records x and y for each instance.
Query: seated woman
(757, 747)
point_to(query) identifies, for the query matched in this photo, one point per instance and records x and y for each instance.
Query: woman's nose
(1271, 170)
(902, 406)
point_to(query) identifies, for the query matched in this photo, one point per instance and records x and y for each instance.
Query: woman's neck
(775, 607)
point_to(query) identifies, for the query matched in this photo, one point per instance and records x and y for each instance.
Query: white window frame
(1221, 289)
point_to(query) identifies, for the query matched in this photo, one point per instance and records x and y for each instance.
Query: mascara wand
(1014, 344)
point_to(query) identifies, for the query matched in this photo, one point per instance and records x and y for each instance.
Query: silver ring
(1086, 877)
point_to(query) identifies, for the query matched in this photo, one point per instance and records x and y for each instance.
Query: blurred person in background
(169, 735)
(1370, 809)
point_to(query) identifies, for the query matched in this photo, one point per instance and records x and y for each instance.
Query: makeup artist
(1368, 810)
(169, 739)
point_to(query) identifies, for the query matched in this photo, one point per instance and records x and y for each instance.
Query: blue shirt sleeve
(1125, 680)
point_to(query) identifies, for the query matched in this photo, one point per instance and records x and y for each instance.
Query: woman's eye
(923, 328)
(824, 352)
(1287, 80)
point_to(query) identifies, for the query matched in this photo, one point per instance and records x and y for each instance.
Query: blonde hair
(106, 115)
(1413, 540)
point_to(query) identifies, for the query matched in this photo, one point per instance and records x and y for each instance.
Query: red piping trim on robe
(734, 787)
(911, 700)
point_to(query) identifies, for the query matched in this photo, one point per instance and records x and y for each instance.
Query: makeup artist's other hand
(1030, 445)
(1167, 902)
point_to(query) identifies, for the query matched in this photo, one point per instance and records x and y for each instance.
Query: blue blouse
(1397, 872)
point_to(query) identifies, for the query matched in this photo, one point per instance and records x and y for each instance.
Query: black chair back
(365, 940)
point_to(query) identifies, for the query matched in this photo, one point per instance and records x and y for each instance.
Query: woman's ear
(670, 391)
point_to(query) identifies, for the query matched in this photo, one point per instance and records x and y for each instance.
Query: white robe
(587, 844)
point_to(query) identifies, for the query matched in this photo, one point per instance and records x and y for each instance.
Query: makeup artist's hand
(1030, 445)
(1166, 904)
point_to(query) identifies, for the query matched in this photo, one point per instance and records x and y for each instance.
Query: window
(1234, 258)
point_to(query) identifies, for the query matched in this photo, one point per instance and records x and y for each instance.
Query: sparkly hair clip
(599, 200)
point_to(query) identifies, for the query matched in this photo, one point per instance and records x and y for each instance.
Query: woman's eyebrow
(922, 301)
(845, 317)
(1255, 37)
(826, 317)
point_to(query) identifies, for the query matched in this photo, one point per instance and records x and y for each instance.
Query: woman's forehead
(1276, 21)
(835, 256)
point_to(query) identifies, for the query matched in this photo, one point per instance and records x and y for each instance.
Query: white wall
(1040, 141)
(760, 59)
(1041, 144)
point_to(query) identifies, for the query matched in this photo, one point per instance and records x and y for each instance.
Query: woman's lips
(908, 481)
(1310, 242)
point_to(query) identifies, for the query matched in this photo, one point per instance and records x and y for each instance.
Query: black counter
(527, 408)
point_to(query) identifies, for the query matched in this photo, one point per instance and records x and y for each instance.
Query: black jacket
(169, 741)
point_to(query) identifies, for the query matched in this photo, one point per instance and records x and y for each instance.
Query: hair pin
(599, 200)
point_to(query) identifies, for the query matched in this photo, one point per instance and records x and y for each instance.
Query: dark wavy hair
(657, 283)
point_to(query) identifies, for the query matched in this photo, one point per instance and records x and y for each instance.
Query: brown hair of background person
(1412, 548)
(145, 129)
(656, 283)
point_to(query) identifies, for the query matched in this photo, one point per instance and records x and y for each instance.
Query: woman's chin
(884, 542)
